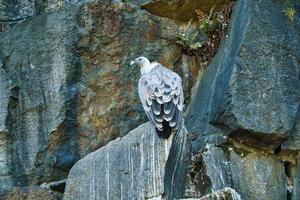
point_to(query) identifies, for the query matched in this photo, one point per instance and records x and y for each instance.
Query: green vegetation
(190, 41)
(207, 23)
(289, 10)
(193, 38)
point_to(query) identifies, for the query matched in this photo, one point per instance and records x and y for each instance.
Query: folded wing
(161, 94)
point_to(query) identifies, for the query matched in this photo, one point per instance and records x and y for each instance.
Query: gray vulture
(160, 91)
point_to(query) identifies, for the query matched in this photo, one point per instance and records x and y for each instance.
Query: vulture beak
(132, 63)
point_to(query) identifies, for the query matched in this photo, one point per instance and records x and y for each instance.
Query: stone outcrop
(138, 166)
(225, 194)
(67, 89)
(31, 193)
(248, 91)
(182, 10)
(246, 108)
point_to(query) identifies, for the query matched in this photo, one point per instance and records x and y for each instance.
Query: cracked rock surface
(69, 108)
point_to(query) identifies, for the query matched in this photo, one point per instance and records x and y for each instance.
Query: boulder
(209, 171)
(138, 166)
(249, 91)
(258, 176)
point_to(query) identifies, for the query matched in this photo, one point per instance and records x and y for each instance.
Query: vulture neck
(147, 67)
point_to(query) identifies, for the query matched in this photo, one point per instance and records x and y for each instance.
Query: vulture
(161, 94)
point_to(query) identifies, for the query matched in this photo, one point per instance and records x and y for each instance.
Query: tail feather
(166, 132)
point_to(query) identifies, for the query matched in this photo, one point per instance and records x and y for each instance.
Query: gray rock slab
(293, 142)
(251, 88)
(209, 171)
(226, 193)
(217, 167)
(263, 97)
(137, 166)
(215, 79)
(258, 177)
(38, 107)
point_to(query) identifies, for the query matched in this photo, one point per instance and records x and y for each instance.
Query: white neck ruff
(148, 67)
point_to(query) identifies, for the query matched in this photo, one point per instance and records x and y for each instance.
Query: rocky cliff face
(67, 89)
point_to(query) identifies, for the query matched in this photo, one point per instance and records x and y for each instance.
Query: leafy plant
(288, 10)
(207, 23)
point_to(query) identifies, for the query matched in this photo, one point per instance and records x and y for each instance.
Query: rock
(182, 10)
(58, 186)
(225, 194)
(256, 176)
(293, 142)
(31, 193)
(105, 53)
(293, 178)
(39, 69)
(250, 91)
(209, 171)
(5, 161)
(14, 12)
(137, 166)
(67, 88)
(262, 101)
(217, 168)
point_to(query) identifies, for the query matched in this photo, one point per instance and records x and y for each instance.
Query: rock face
(224, 194)
(30, 193)
(67, 87)
(146, 167)
(40, 99)
(182, 10)
(66, 90)
(252, 92)
(247, 105)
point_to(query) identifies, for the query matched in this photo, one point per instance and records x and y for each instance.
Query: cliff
(72, 126)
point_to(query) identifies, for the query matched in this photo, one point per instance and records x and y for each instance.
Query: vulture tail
(166, 132)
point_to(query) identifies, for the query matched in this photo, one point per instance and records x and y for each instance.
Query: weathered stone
(250, 90)
(31, 193)
(137, 166)
(58, 186)
(293, 179)
(225, 194)
(13, 12)
(182, 10)
(262, 101)
(39, 68)
(5, 162)
(293, 142)
(109, 105)
(217, 167)
(256, 176)
(67, 87)
(214, 80)
(209, 171)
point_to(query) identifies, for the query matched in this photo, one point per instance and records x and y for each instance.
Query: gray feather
(170, 115)
(156, 107)
(167, 107)
(173, 122)
(161, 95)
(159, 117)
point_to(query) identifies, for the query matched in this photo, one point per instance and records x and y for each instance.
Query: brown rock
(31, 193)
(182, 10)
